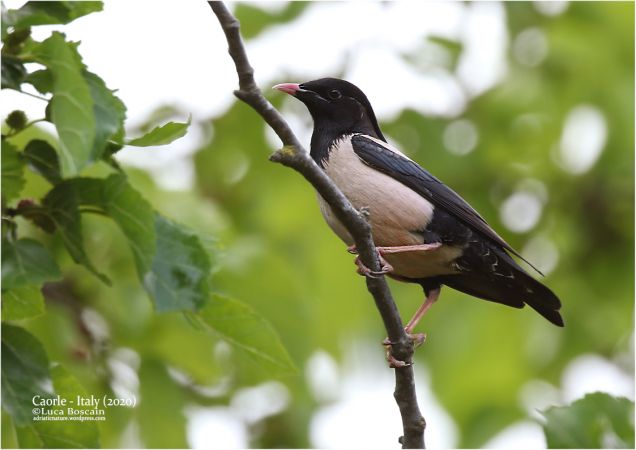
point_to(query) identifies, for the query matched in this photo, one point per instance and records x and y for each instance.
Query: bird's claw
(394, 363)
(417, 338)
(365, 271)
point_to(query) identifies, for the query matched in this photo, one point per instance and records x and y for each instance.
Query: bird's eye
(334, 94)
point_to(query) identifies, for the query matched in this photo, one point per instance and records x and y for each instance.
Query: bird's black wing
(409, 173)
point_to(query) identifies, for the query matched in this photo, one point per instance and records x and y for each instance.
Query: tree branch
(296, 157)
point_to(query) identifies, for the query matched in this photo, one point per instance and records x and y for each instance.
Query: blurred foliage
(173, 263)
(597, 420)
(254, 233)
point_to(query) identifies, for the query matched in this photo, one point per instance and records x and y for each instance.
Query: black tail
(508, 284)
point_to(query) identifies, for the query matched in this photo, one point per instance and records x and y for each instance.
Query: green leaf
(25, 369)
(41, 80)
(133, 214)
(13, 73)
(598, 420)
(162, 135)
(171, 262)
(71, 107)
(42, 157)
(49, 13)
(178, 278)
(37, 214)
(62, 203)
(109, 112)
(244, 328)
(12, 171)
(25, 374)
(22, 303)
(255, 20)
(61, 434)
(26, 261)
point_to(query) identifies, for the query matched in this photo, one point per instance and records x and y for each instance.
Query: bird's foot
(418, 339)
(363, 270)
(394, 363)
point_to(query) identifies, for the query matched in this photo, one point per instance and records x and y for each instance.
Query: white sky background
(156, 64)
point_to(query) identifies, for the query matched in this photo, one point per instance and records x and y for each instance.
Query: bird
(425, 233)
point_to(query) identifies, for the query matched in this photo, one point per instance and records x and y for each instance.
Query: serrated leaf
(49, 13)
(42, 157)
(22, 303)
(62, 203)
(25, 370)
(12, 171)
(71, 107)
(244, 328)
(598, 420)
(171, 262)
(162, 135)
(13, 73)
(178, 277)
(25, 262)
(109, 112)
(133, 214)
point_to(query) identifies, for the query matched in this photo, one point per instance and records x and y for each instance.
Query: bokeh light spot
(530, 47)
(583, 139)
(521, 211)
(460, 137)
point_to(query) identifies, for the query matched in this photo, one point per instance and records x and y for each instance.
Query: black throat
(326, 133)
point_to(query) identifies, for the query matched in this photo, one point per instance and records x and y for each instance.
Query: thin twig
(296, 157)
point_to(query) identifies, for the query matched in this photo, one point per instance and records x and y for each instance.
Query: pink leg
(431, 298)
(417, 338)
(403, 248)
(409, 248)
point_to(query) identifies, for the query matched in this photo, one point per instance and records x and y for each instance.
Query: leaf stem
(39, 97)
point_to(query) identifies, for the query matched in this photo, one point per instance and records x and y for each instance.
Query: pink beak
(288, 88)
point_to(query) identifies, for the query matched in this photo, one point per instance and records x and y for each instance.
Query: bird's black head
(337, 107)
